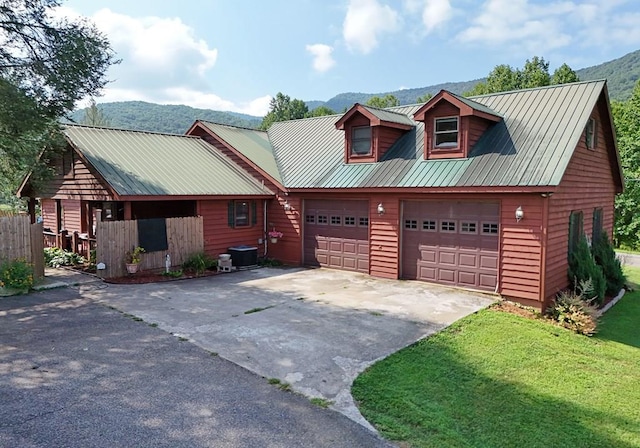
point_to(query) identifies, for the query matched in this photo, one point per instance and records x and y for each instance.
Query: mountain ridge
(621, 74)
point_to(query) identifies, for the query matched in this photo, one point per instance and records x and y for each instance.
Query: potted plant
(274, 235)
(133, 258)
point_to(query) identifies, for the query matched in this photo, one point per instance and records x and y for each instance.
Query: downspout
(264, 228)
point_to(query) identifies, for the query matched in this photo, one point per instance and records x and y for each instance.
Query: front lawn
(498, 380)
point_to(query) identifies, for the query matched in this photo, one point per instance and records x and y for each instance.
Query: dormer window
(446, 132)
(361, 141)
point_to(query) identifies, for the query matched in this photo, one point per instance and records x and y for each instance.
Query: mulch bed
(154, 277)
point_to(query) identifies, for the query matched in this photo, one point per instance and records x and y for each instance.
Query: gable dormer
(369, 132)
(452, 125)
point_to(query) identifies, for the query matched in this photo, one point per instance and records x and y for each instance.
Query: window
(429, 226)
(410, 224)
(361, 140)
(597, 224)
(489, 228)
(335, 220)
(242, 213)
(349, 221)
(322, 219)
(363, 222)
(575, 230)
(590, 133)
(310, 219)
(468, 227)
(446, 132)
(447, 226)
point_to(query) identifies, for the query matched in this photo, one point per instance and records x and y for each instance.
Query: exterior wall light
(519, 214)
(287, 206)
(380, 209)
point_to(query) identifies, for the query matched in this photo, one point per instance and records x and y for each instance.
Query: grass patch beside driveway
(494, 379)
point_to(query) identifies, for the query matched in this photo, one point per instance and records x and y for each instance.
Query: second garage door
(336, 234)
(453, 243)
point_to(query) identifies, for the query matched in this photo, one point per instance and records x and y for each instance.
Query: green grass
(499, 380)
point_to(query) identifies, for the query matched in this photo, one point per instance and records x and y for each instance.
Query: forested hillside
(621, 73)
(164, 118)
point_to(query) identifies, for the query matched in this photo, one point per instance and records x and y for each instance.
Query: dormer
(453, 124)
(369, 132)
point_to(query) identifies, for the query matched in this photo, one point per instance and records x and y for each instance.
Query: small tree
(583, 267)
(605, 257)
(386, 101)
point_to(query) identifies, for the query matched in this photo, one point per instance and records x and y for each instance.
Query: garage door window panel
(429, 226)
(410, 224)
(469, 227)
(336, 220)
(363, 222)
(322, 219)
(489, 228)
(310, 219)
(447, 226)
(350, 221)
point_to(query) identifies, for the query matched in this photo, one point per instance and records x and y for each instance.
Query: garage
(336, 234)
(452, 243)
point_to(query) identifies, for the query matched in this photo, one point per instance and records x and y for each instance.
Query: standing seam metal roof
(530, 147)
(144, 163)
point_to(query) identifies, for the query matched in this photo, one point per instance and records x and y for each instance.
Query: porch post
(127, 211)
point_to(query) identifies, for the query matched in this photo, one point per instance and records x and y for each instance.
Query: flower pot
(132, 268)
(274, 240)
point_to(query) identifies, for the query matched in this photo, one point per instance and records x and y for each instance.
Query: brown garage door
(336, 234)
(454, 243)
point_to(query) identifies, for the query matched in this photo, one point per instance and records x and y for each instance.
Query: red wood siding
(238, 160)
(79, 184)
(587, 184)
(475, 127)
(289, 248)
(72, 215)
(218, 236)
(384, 234)
(385, 138)
(521, 248)
(48, 209)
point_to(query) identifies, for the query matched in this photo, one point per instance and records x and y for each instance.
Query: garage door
(336, 234)
(453, 243)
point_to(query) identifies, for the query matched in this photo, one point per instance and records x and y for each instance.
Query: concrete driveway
(315, 329)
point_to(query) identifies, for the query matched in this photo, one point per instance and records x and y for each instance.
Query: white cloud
(436, 13)
(365, 21)
(322, 60)
(163, 61)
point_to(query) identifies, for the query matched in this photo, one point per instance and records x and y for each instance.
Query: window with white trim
(447, 226)
(446, 132)
(410, 224)
(361, 140)
(489, 228)
(468, 227)
(429, 225)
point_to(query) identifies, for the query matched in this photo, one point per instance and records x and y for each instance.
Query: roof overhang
(373, 119)
(465, 108)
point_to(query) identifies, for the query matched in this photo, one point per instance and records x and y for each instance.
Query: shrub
(56, 257)
(583, 267)
(16, 274)
(573, 310)
(605, 257)
(199, 262)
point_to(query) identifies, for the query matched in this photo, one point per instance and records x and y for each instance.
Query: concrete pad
(315, 329)
(64, 277)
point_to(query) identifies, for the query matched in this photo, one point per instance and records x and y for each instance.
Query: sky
(235, 55)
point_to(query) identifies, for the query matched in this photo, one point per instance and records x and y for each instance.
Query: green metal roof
(144, 163)
(388, 115)
(530, 147)
(251, 143)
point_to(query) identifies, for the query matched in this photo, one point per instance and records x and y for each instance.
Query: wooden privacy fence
(21, 239)
(114, 238)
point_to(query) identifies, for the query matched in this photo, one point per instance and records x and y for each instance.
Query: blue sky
(236, 54)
